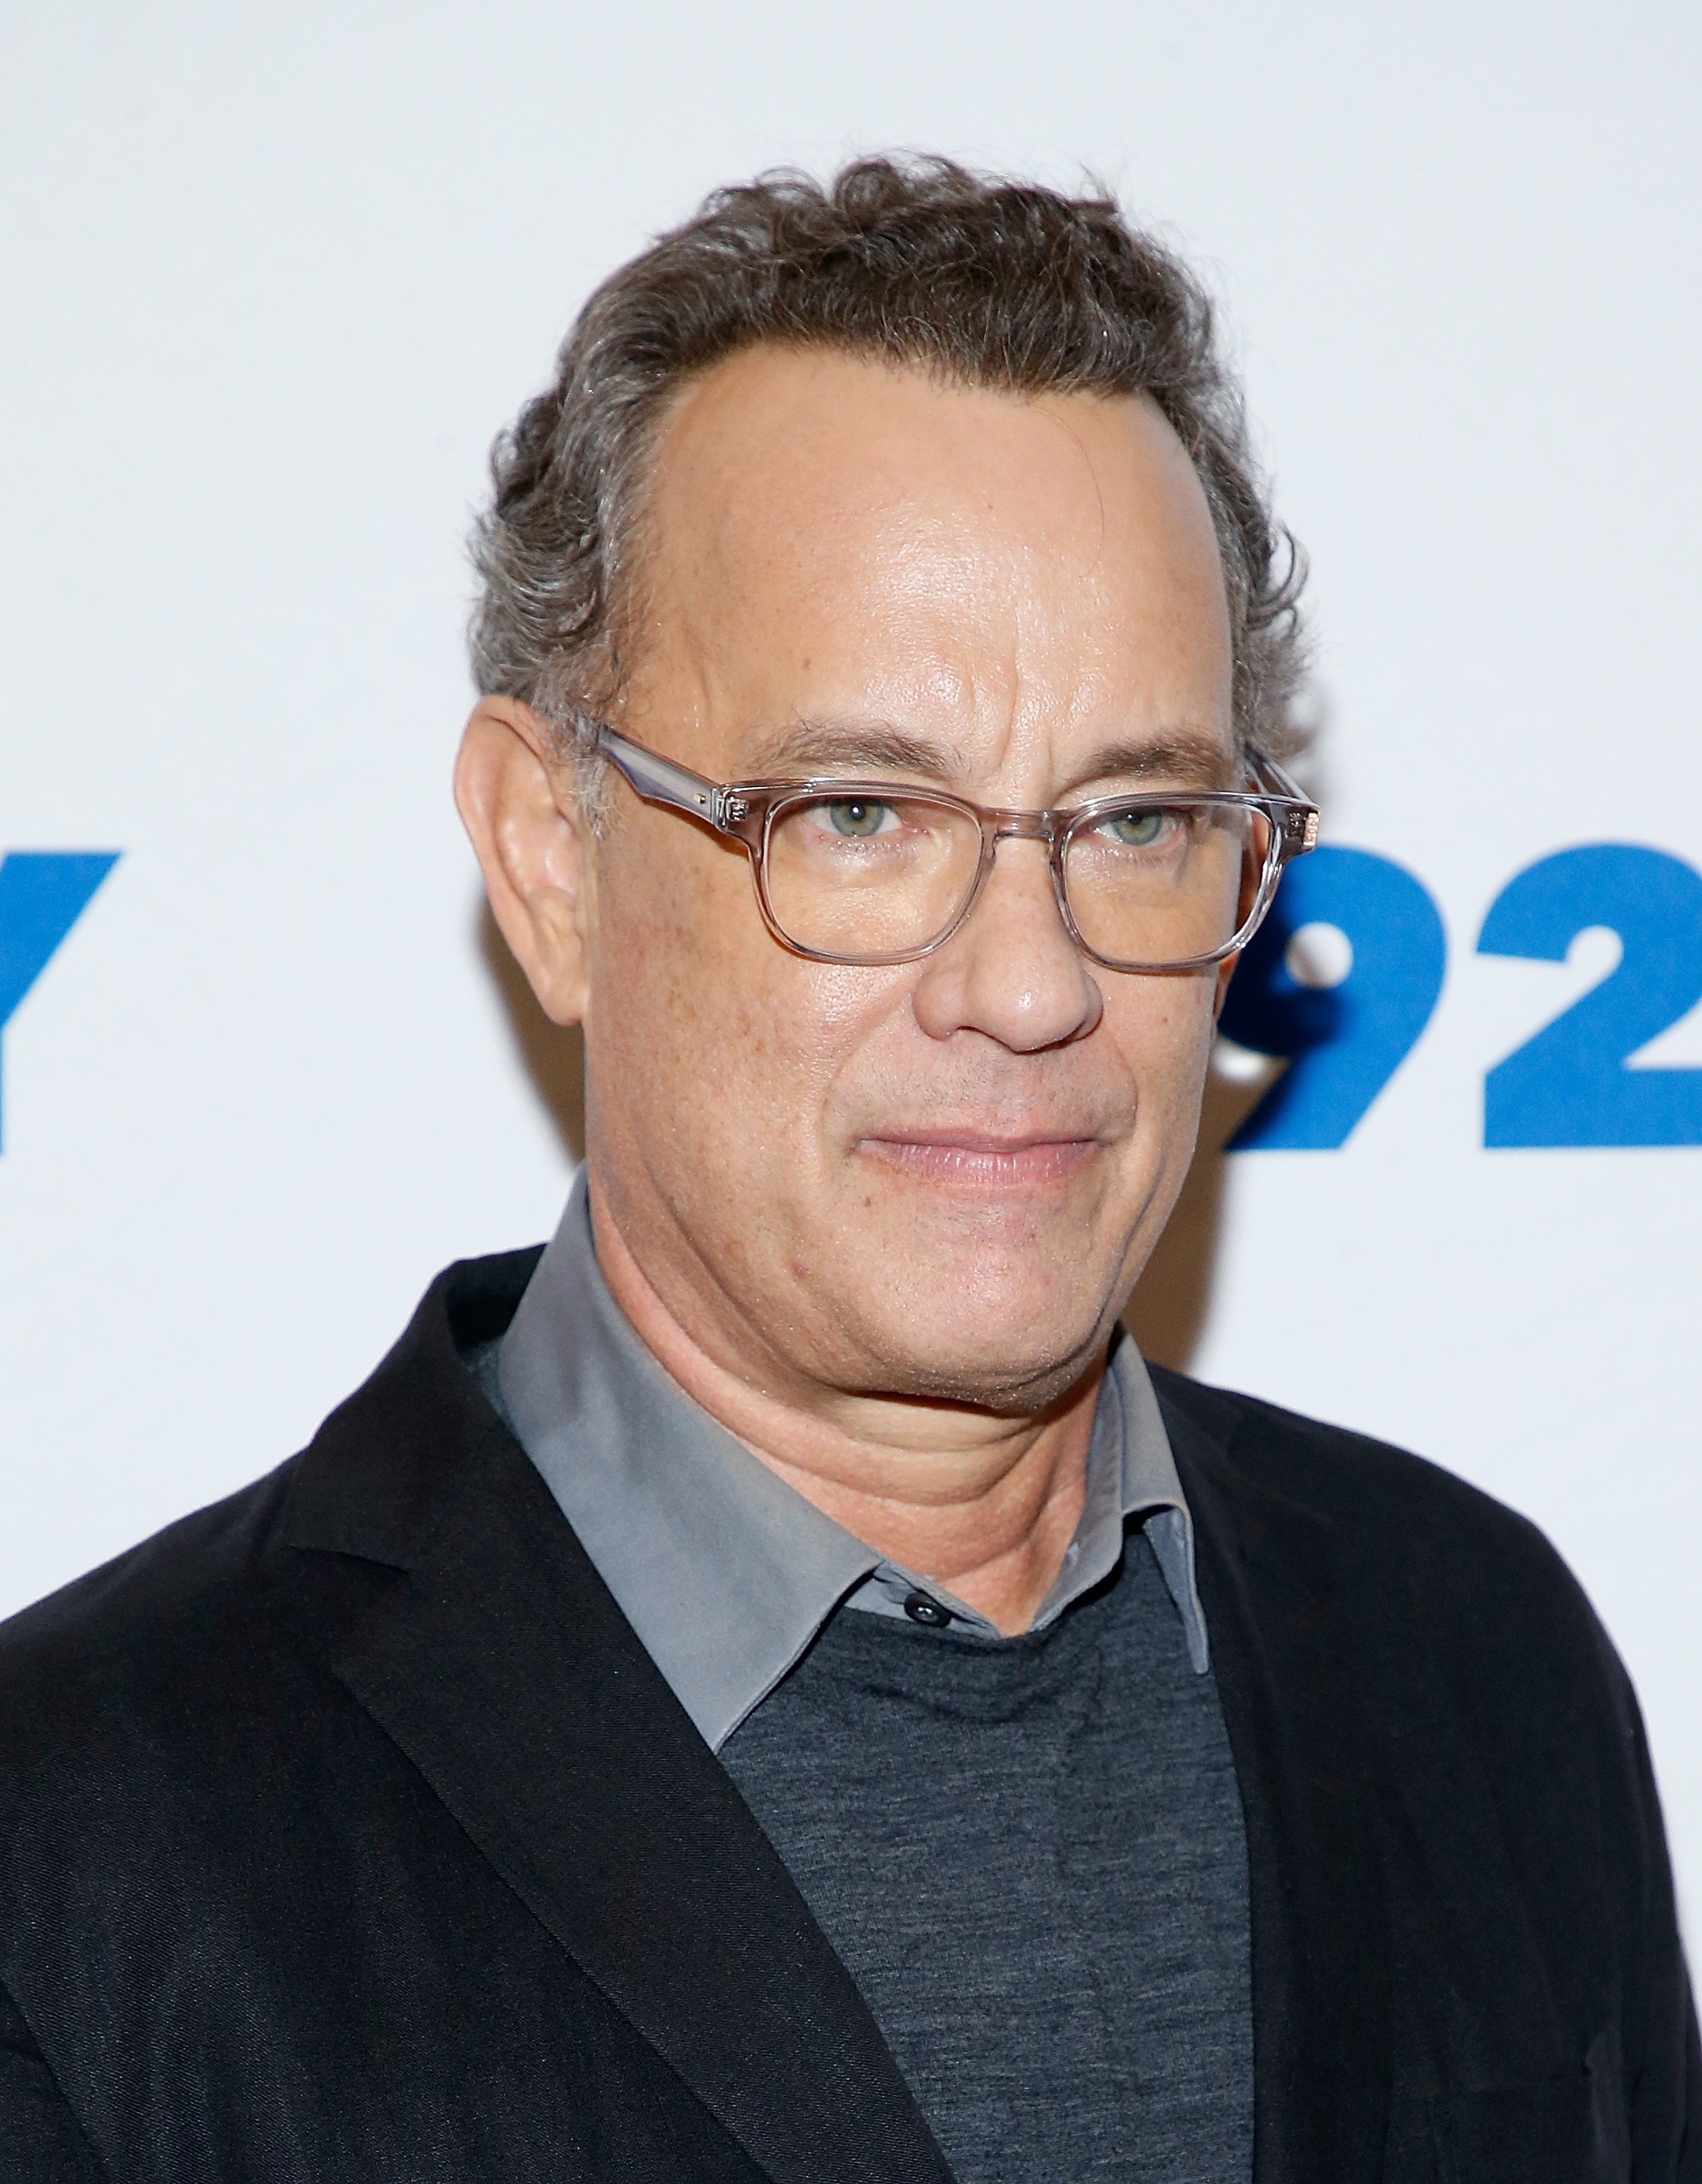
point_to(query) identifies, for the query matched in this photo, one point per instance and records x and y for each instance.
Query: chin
(956, 1343)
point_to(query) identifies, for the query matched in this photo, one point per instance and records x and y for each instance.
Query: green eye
(855, 819)
(1134, 830)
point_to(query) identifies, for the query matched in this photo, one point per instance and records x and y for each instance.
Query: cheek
(1164, 1029)
(669, 989)
(702, 1028)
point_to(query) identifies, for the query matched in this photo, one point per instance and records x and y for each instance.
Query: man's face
(939, 1178)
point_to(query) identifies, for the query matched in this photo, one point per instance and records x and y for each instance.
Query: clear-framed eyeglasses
(873, 872)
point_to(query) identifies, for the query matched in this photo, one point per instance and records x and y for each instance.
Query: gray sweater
(1029, 1853)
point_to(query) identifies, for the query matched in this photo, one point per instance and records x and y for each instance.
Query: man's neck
(983, 1503)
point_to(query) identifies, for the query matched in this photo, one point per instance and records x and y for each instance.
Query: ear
(516, 802)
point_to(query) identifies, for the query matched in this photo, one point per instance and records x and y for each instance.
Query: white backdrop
(274, 277)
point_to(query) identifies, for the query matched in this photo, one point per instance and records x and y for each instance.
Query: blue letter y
(42, 894)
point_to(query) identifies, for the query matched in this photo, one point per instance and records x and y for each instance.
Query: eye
(1134, 830)
(855, 818)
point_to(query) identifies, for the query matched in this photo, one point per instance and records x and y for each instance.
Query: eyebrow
(816, 747)
(1182, 757)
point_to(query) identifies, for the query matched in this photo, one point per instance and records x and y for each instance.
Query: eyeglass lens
(1163, 886)
(867, 878)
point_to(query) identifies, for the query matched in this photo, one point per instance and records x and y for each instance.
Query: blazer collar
(500, 1664)
(1276, 1596)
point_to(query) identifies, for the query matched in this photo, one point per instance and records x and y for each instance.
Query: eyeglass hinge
(730, 809)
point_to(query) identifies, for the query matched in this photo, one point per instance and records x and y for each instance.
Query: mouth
(983, 1160)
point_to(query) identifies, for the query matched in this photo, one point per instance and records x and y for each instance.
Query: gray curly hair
(986, 281)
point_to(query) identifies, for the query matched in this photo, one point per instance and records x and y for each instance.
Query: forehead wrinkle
(1064, 421)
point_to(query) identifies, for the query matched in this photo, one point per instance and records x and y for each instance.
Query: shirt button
(920, 1609)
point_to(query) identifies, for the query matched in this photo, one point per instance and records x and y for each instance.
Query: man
(774, 1687)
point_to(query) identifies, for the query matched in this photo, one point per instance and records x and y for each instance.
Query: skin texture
(880, 1222)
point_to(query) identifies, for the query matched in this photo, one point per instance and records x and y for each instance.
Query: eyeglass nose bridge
(1021, 826)
(998, 825)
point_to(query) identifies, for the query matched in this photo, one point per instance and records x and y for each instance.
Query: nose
(1012, 970)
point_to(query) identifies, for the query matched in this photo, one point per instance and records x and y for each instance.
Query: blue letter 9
(1343, 1043)
(1570, 1085)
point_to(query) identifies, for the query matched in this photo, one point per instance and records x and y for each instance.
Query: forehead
(826, 534)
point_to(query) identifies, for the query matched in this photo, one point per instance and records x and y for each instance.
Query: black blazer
(347, 1832)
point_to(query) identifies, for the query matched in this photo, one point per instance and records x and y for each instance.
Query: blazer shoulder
(1332, 1470)
(1414, 1533)
(218, 1635)
(162, 1645)
(158, 1580)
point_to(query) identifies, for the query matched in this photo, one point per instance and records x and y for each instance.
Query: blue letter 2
(1571, 1084)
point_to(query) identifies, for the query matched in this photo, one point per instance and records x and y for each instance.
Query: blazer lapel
(1283, 1652)
(500, 1664)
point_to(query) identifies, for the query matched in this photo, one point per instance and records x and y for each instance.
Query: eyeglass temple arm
(1301, 834)
(1277, 776)
(659, 781)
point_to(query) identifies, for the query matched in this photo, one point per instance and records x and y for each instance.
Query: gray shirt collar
(727, 1573)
